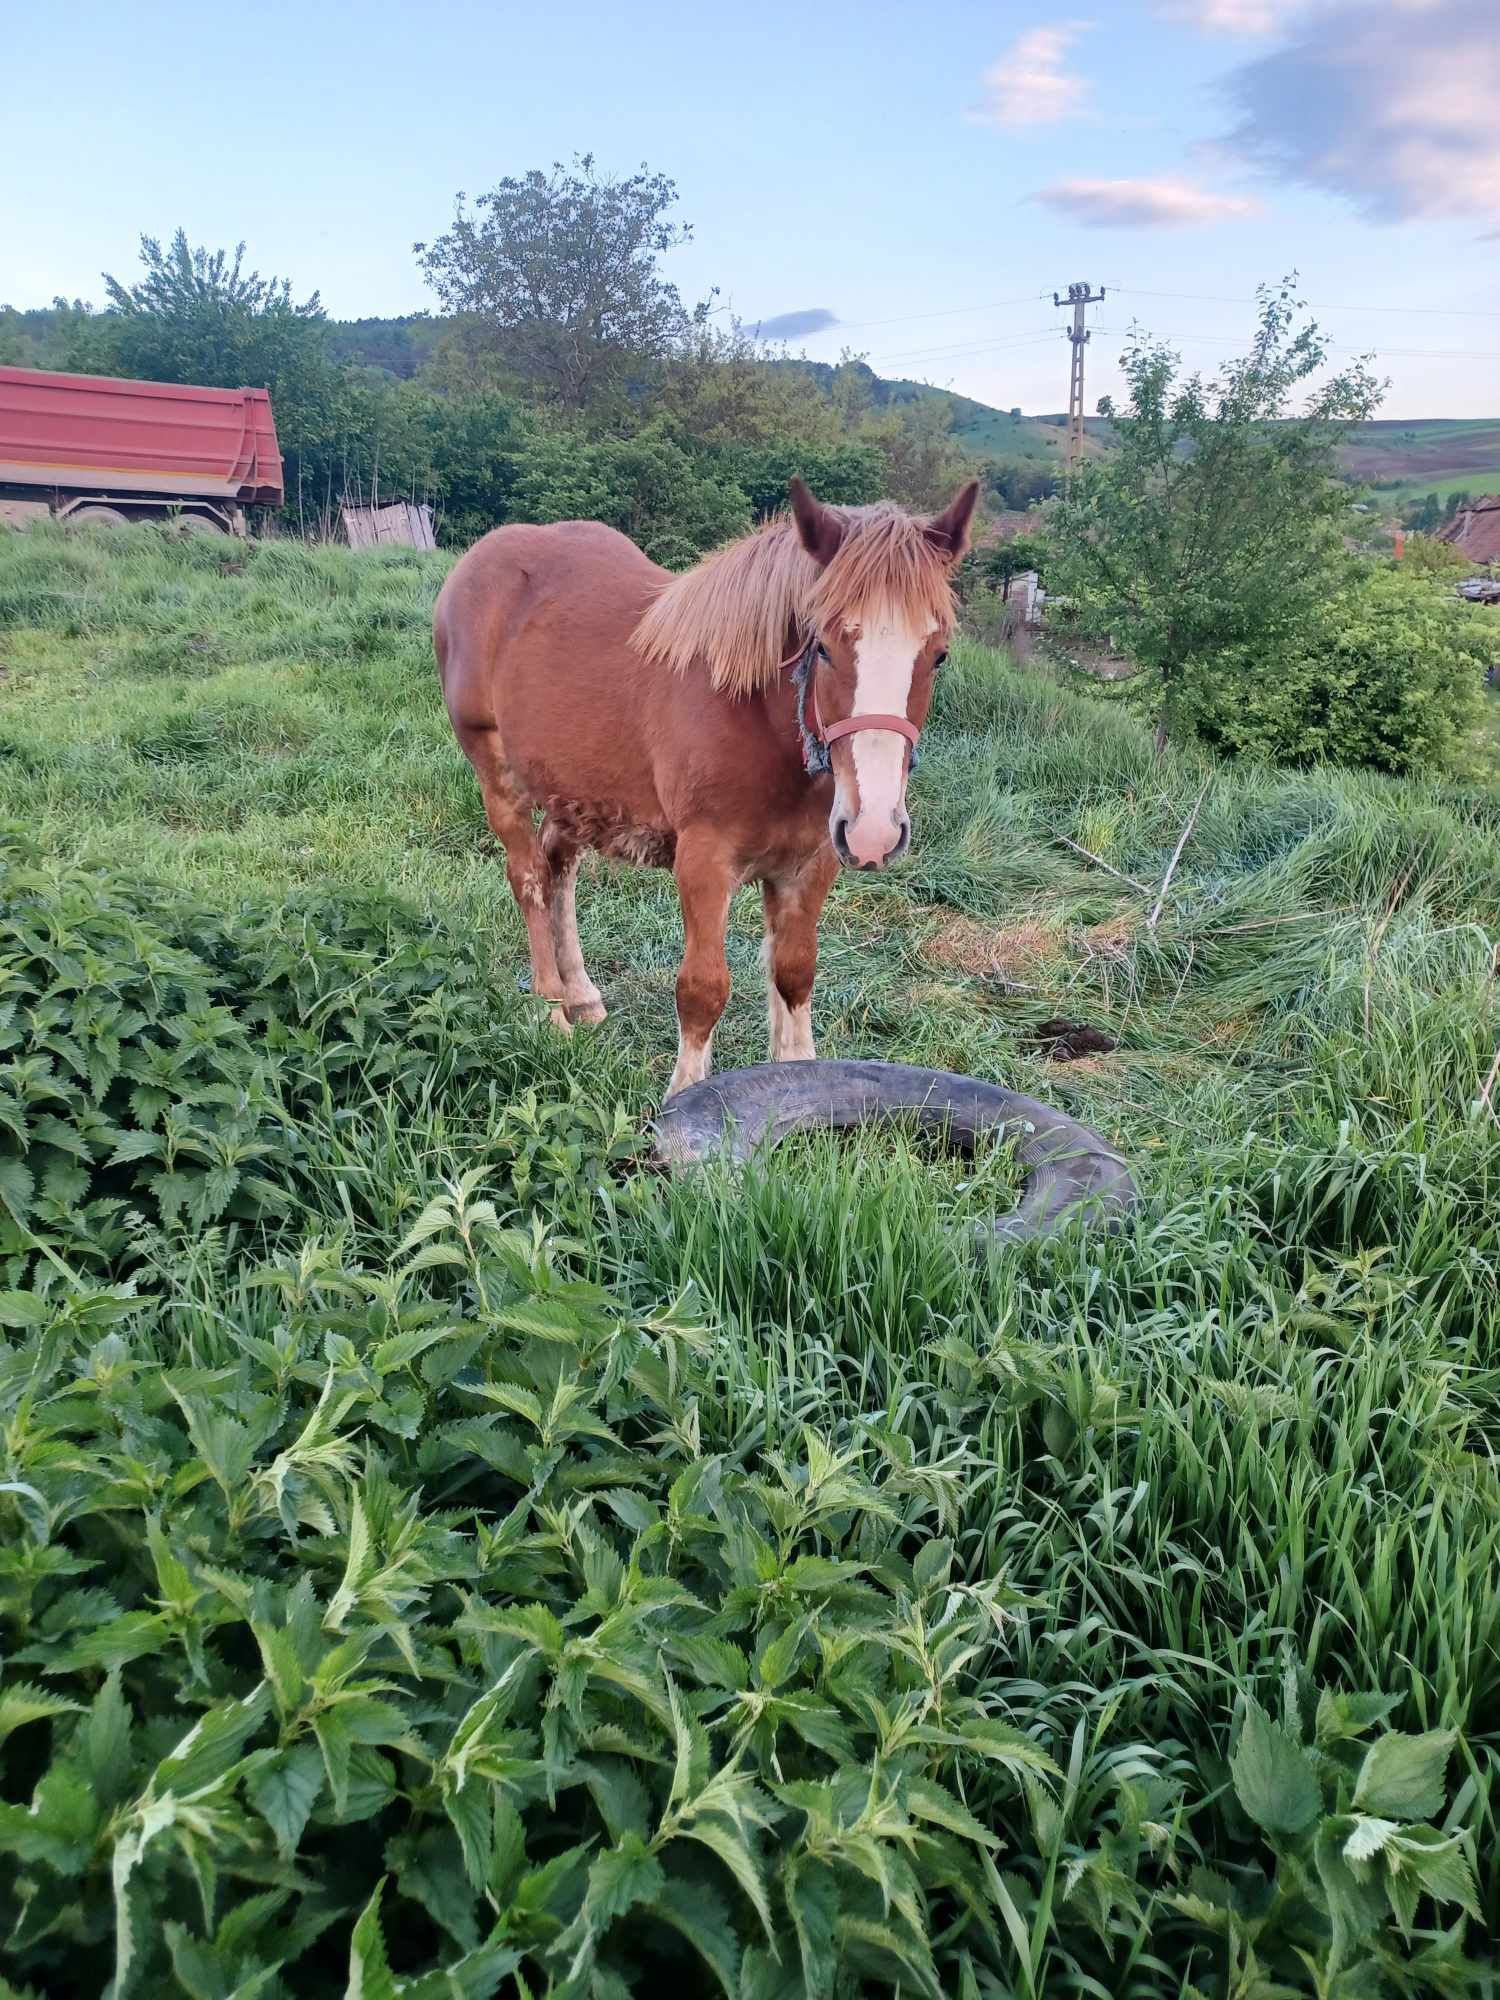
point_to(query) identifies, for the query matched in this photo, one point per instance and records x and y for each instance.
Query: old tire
(199, 524)
(1072, 1173)
(98, 517)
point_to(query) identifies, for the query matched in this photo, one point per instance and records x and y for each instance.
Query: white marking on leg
(581, 996)
(694, 1060)
(791, 1032)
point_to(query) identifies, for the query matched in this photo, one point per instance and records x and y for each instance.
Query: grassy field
(1002, 1567)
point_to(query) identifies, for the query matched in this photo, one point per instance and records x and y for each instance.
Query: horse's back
(570, 570)
(532, 631)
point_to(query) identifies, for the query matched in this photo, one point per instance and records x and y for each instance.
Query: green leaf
(812, 1897)
(284, 1792)
(932, 1564)
(1274, 1778)
(429, 1868)
(929, 1801)
(1439, 1863)
(1341, 1716)
(697, 1913)
(619, 1879)
(23, 1703)
(1402, 1776)
(212, 1746)
(370, 1975)
(24, 1308)
(106, 1741)
(1355, 1905)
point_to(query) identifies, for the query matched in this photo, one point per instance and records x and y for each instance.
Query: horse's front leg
(706, 880)
(793, 906)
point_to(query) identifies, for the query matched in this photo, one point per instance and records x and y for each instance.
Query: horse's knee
(530, 881)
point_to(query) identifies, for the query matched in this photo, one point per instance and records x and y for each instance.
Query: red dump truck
(92, 448)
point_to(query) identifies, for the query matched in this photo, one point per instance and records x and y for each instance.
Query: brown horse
(665, 720)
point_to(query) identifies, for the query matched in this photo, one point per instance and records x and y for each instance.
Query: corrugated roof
(1476, 530)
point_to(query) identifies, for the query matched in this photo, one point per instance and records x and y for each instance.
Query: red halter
(821, 734)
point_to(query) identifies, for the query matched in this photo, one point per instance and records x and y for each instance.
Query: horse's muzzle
(862, 856)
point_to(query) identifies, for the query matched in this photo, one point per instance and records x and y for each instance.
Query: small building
(1475, 530)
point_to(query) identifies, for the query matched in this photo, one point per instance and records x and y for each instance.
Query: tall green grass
(1260, 1425)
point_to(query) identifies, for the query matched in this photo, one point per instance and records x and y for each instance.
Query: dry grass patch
(1012, 952)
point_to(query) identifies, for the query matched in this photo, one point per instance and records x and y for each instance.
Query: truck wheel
(199, 524)
(97, 517)
(1071, 1172)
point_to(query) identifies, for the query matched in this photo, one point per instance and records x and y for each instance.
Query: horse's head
(883, 628)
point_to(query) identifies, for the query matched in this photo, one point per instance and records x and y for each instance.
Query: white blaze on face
(885, 657)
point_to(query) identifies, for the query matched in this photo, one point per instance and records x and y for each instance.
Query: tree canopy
(555, 276)
(1218, 517)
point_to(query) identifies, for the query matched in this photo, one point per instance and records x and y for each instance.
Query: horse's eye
(823, 655)
(939, 660)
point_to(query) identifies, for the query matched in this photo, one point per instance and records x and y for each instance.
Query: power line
(966, 346)
(943, 312)
(1348, 347)
(1226, 299)
(1145, 292)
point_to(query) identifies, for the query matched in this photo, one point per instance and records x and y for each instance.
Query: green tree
(847, 475)
(1217, 521)
(556, 276)
(921, 461)
(198, 316)
(647, 486)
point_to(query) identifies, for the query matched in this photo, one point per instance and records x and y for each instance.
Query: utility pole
(1079, 297)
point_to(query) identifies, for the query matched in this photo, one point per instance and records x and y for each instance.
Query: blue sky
(923, 176)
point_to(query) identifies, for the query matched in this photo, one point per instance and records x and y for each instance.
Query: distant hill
(1401, 462)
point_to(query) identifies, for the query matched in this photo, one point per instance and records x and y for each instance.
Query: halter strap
(817, 735)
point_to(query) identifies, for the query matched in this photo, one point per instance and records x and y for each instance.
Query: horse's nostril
(841, 842)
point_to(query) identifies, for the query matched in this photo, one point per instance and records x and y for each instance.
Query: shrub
(1388, 674)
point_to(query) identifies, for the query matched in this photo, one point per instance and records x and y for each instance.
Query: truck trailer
(92, 448)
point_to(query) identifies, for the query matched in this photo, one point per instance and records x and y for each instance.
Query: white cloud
(1394, 104)
(1233, 17)
(1029, 85)
(1167, 204)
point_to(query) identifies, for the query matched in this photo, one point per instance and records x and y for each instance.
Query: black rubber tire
(97, 517)
(1072, 1173)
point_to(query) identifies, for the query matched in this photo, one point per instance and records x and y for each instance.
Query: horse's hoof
(1072, 1173)
(588, 1013)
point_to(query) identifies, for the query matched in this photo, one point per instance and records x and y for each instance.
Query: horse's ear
(820, 528)
(949, 531)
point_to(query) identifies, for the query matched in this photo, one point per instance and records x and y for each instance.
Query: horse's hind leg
(527, 867)
(581, 996)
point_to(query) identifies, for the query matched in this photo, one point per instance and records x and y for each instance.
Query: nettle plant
(1349, 1821)
(159, 1061)
(455, 1572)
(394, 1631)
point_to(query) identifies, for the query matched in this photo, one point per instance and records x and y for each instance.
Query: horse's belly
(611, 830)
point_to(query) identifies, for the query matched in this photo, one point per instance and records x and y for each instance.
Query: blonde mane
(732, 612)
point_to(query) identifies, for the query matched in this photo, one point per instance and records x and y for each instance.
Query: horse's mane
(733, 611)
